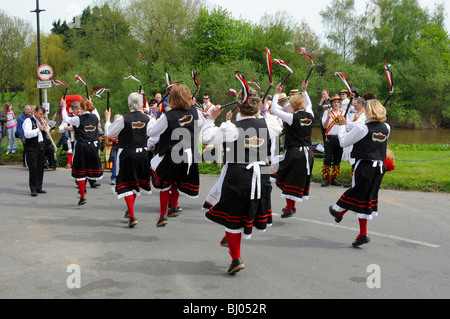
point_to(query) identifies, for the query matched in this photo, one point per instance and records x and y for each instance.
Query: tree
(340, 19)
(15, 36)
(161, 26)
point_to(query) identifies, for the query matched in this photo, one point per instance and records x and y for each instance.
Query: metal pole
(37, 11)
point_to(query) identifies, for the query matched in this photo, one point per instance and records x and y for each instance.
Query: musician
(86, 162)
(207, 105)
(35, 132)
(333, 151)
(245, 194)
(369, 142)
(133, 172)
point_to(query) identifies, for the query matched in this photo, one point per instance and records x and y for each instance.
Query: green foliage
(148, 38)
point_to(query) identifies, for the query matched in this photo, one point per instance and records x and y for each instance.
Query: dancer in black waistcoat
(174, 167)
(369, 142)
(294, 173)
(133, 169)
(86, 163)
(245, 196)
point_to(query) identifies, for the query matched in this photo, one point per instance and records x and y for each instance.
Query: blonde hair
(297, 102)
(252, 106)
(87, 105)
(180, 97)
(374, 110)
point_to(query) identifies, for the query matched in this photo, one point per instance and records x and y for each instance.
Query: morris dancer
(86, 162)
(133, 173)
(294, 173)
(174, 167)
(369, 142)
(245, 195)
(333, 151)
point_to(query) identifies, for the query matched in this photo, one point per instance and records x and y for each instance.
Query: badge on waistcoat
(253, 142)
(379, 137)
(90, 128)
(185, 120)
(137, 125)
(305, 122)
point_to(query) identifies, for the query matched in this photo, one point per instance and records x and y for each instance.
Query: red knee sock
(362, 227)
(129, 200)
(174, 195)
(82, 187)
(234, 244)
(164, 198)
(289, 204)
(342, 213)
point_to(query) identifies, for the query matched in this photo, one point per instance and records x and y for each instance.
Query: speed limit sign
(45, 72)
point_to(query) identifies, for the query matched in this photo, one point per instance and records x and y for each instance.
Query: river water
(407, 136)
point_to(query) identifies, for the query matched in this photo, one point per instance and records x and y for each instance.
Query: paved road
(307, 256)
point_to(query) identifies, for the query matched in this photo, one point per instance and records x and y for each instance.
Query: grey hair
(135, 101)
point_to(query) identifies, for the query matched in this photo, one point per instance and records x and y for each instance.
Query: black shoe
(174, 211)
(94, 184)
(347, 185)
(41, 191)
(132, 222)
(325, 183)
(235, 266)
(34, 194)
(361, 240)
(335, 214)
(224, 242)
(127, 214)
(162, 221)
(294, 210)
(287, 214)
(82, 201)
(334, 182)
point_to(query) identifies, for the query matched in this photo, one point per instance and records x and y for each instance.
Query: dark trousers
(35, 162)
(333, 151)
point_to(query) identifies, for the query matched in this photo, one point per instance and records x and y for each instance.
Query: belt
(333, 136)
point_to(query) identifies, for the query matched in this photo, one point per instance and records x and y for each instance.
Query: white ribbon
(189, 158)
(378, 163)
(256, 179)
(306, 151)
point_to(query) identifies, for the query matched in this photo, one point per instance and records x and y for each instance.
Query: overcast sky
(251, 10)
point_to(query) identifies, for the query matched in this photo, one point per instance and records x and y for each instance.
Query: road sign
(44, 84)
(45, 72)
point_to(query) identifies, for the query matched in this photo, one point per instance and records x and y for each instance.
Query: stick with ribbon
(194, 77)
(302, 50)
(257, 84)
(269, 66)
(80, 79)
(98, 93)
(132, 77)
(282, 63)
(390, 78)
(170, 84)
(347, 85)
(245, 91)
(56, 82)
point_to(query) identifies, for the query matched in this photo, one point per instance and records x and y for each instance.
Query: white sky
(251, 10)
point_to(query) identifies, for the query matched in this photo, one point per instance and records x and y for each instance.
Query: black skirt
(362, 198)
(165, 172)
(86, 162)
(134, 173)
(235, 209)
(294, 173)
